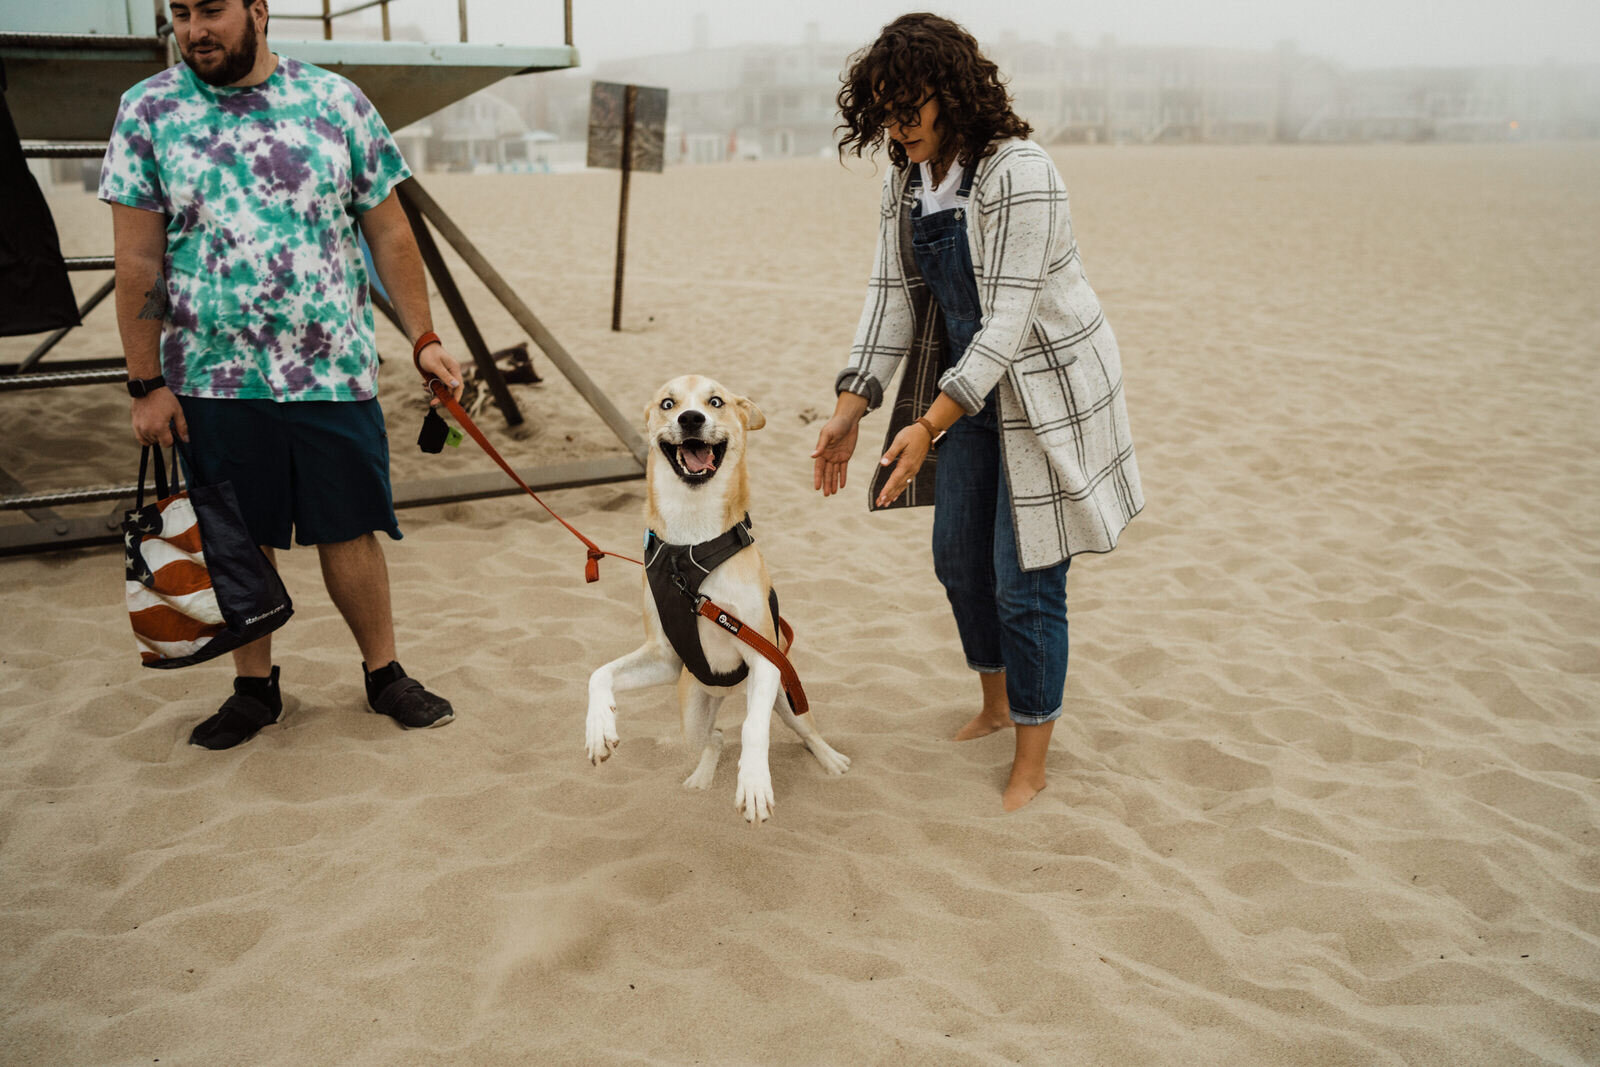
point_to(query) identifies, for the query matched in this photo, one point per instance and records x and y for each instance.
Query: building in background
(483, 133)
(1459, 104)
(778, 101)
(754, 102)
(1110, 93)
(742, 102)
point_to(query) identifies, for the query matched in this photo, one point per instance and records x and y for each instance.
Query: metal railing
(328, 15)
(121, 42)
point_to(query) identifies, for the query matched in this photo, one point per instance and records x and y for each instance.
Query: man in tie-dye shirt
(236, 182)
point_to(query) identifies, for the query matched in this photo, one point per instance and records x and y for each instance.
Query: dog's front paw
(753, 797)
(600, 729)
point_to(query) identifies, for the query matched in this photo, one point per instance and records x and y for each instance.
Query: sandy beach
(1325, 791)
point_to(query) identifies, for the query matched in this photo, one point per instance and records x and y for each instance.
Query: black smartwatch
(146, 386)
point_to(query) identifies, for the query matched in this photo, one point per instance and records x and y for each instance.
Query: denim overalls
(1009, 619)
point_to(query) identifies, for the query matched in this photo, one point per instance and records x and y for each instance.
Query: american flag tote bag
(197, 584)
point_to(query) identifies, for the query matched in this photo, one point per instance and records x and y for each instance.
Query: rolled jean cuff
(1024, 718)
(987, 668)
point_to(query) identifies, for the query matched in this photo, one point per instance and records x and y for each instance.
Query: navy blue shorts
(320, 467)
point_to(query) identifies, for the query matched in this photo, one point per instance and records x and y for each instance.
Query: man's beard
(236, 63)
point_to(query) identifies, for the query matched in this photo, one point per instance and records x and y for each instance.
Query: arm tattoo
(155, 301)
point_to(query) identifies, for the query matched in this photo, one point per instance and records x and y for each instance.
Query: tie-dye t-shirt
(261, 187)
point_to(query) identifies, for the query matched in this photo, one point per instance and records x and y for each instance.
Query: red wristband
(429, 338)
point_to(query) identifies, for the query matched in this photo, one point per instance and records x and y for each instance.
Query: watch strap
(145, 386)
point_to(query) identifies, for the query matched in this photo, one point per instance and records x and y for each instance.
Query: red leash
(704, 605)
(591, 570)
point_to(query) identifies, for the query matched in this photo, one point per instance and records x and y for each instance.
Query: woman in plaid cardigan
(1012, 371)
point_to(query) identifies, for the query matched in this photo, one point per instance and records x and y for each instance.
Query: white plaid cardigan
(1043, 340)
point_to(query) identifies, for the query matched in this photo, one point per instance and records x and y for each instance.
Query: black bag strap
(144, 468)
(167, 483)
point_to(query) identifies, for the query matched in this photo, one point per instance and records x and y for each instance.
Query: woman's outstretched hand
(835, 445)
(910, 448)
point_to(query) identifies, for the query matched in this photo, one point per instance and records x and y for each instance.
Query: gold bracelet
(927, 424)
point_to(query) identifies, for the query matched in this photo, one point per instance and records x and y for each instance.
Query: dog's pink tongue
(697, 458)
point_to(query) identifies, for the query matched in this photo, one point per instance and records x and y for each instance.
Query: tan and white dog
(697, 490)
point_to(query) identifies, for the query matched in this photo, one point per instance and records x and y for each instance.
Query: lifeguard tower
(67, 63)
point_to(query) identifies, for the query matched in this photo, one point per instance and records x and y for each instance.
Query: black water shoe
(255, 703)
(391, 692)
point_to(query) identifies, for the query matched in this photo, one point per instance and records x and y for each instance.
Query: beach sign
(635, 114)
(627, 132)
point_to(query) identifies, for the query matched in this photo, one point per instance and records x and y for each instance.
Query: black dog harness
(675, 573)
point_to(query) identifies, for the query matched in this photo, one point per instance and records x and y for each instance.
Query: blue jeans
(1009, 619)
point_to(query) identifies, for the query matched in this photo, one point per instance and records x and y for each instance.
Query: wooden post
(327, 20)
(431, 258)
(461, 6)
(621, 425)
(568, 6)
(622, 210)
(384, 7)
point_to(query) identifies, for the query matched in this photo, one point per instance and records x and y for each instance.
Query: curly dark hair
(914, 55)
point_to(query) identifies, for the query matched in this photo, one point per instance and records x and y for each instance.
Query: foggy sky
(1358, 33)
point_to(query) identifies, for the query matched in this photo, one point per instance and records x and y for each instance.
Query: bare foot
(1027, 769)
(982, 725)
(1020, 790)
(996, 710)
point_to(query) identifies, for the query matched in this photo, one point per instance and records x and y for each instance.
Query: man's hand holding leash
(434, 362)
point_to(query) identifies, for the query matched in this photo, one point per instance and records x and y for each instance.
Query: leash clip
(591, 568)
(696, 600)
(717, 614)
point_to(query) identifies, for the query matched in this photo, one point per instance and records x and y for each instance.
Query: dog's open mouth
(694, 460)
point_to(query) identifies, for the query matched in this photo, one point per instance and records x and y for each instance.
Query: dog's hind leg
(699, 708)
(645, 666)
(833, 761)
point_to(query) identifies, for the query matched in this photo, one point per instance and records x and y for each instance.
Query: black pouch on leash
(435, 431)
(197, 584)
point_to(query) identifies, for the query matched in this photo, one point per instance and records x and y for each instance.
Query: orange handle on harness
(708, 609)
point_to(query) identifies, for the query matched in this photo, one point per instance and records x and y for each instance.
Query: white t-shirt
(944, 197)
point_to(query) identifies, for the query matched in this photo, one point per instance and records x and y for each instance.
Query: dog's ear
(753, 419)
